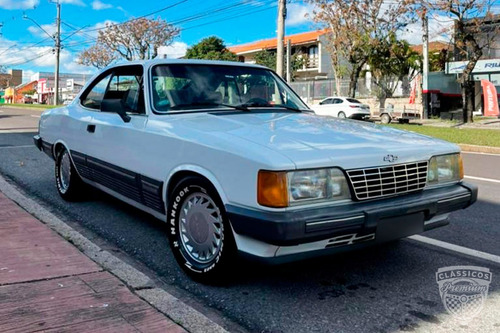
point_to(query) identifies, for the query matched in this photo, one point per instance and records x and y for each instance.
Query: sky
(26, 46)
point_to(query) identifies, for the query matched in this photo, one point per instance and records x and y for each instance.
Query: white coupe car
(342, 107)
(234, 162)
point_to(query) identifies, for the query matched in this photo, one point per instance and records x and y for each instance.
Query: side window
(125, 91)
(126, 88)
(95, 96)
(326, 101)
(337, 101)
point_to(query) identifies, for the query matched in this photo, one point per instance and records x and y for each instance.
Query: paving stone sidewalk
(47, 285)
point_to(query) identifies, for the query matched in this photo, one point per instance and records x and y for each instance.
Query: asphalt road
(19, 120)
(381, 289)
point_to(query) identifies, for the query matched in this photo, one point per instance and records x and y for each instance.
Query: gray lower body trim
(129, 201)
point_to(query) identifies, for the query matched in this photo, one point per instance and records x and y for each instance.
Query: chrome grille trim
(384, 181)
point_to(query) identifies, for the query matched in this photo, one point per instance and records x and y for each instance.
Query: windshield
(181, 87)
(352, 100)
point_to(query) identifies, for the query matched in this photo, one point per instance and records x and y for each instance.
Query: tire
(203, 244)
(341, 114)
(69, 184)
(385, 118)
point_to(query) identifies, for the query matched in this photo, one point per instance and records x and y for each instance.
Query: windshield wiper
(267, 105)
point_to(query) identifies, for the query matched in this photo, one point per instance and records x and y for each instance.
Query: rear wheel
(385, 118)
(68, 182)
(341, 114)
(200, 235)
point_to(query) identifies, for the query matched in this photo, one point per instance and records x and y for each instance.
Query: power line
(228, 18)
(137, 18)
(31, 59)
(214, 10)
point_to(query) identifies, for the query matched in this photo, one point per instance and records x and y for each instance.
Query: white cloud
(73, 2)
(173, 51)
(36, 31)
(297, 14)
(99, 5)
(75, 67)
(18, 56)
(93, 31)
(19, 4)
(440, 29)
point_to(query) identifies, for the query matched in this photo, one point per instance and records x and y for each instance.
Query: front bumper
(356, 222)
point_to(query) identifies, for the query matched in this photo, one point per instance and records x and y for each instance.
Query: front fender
(199, 170)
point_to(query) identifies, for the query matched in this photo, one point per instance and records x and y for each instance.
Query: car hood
(311, 141)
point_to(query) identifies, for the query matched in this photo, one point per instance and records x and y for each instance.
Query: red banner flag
(413, 92)
(490, 98)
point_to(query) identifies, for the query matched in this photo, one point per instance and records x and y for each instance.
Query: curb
(141, 285)
(480, 149)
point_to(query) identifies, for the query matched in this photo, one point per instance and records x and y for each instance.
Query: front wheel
(199, 231)
(69, 184)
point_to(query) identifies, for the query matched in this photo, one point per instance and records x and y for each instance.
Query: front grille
(378, 182)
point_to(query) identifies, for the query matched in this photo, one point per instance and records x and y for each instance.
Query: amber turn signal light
(272, 189)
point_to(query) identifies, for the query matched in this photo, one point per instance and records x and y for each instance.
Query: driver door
(115, 151)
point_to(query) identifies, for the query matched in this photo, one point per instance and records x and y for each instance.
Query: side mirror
(114, 105)
(125, 117)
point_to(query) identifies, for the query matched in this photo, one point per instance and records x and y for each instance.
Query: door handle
(91, 128)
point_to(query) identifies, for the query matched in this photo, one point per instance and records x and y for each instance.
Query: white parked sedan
(342, 107)
(234, 162)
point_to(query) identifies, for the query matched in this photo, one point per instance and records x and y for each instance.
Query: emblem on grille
(463, 289)
(390, 158)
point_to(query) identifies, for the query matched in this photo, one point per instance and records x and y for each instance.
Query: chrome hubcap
(64, 172)
(200, 227)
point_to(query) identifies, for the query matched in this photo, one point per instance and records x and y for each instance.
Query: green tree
(475, 30)
(210, 48)
(392, 61)
(438, 60)
(268, 58)
(352, 26)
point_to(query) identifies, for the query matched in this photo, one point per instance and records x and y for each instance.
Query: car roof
(344, 98)
(149, 63)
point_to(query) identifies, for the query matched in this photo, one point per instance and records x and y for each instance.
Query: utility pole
(58, 53)
(289, 60)
(425, 67)
(281, 34)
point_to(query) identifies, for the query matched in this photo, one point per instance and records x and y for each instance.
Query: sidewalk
(47, 285)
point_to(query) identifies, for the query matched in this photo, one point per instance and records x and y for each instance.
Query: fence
(313, 91)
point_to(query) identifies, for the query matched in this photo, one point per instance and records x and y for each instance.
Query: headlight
(282, 189)
(445, 169)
